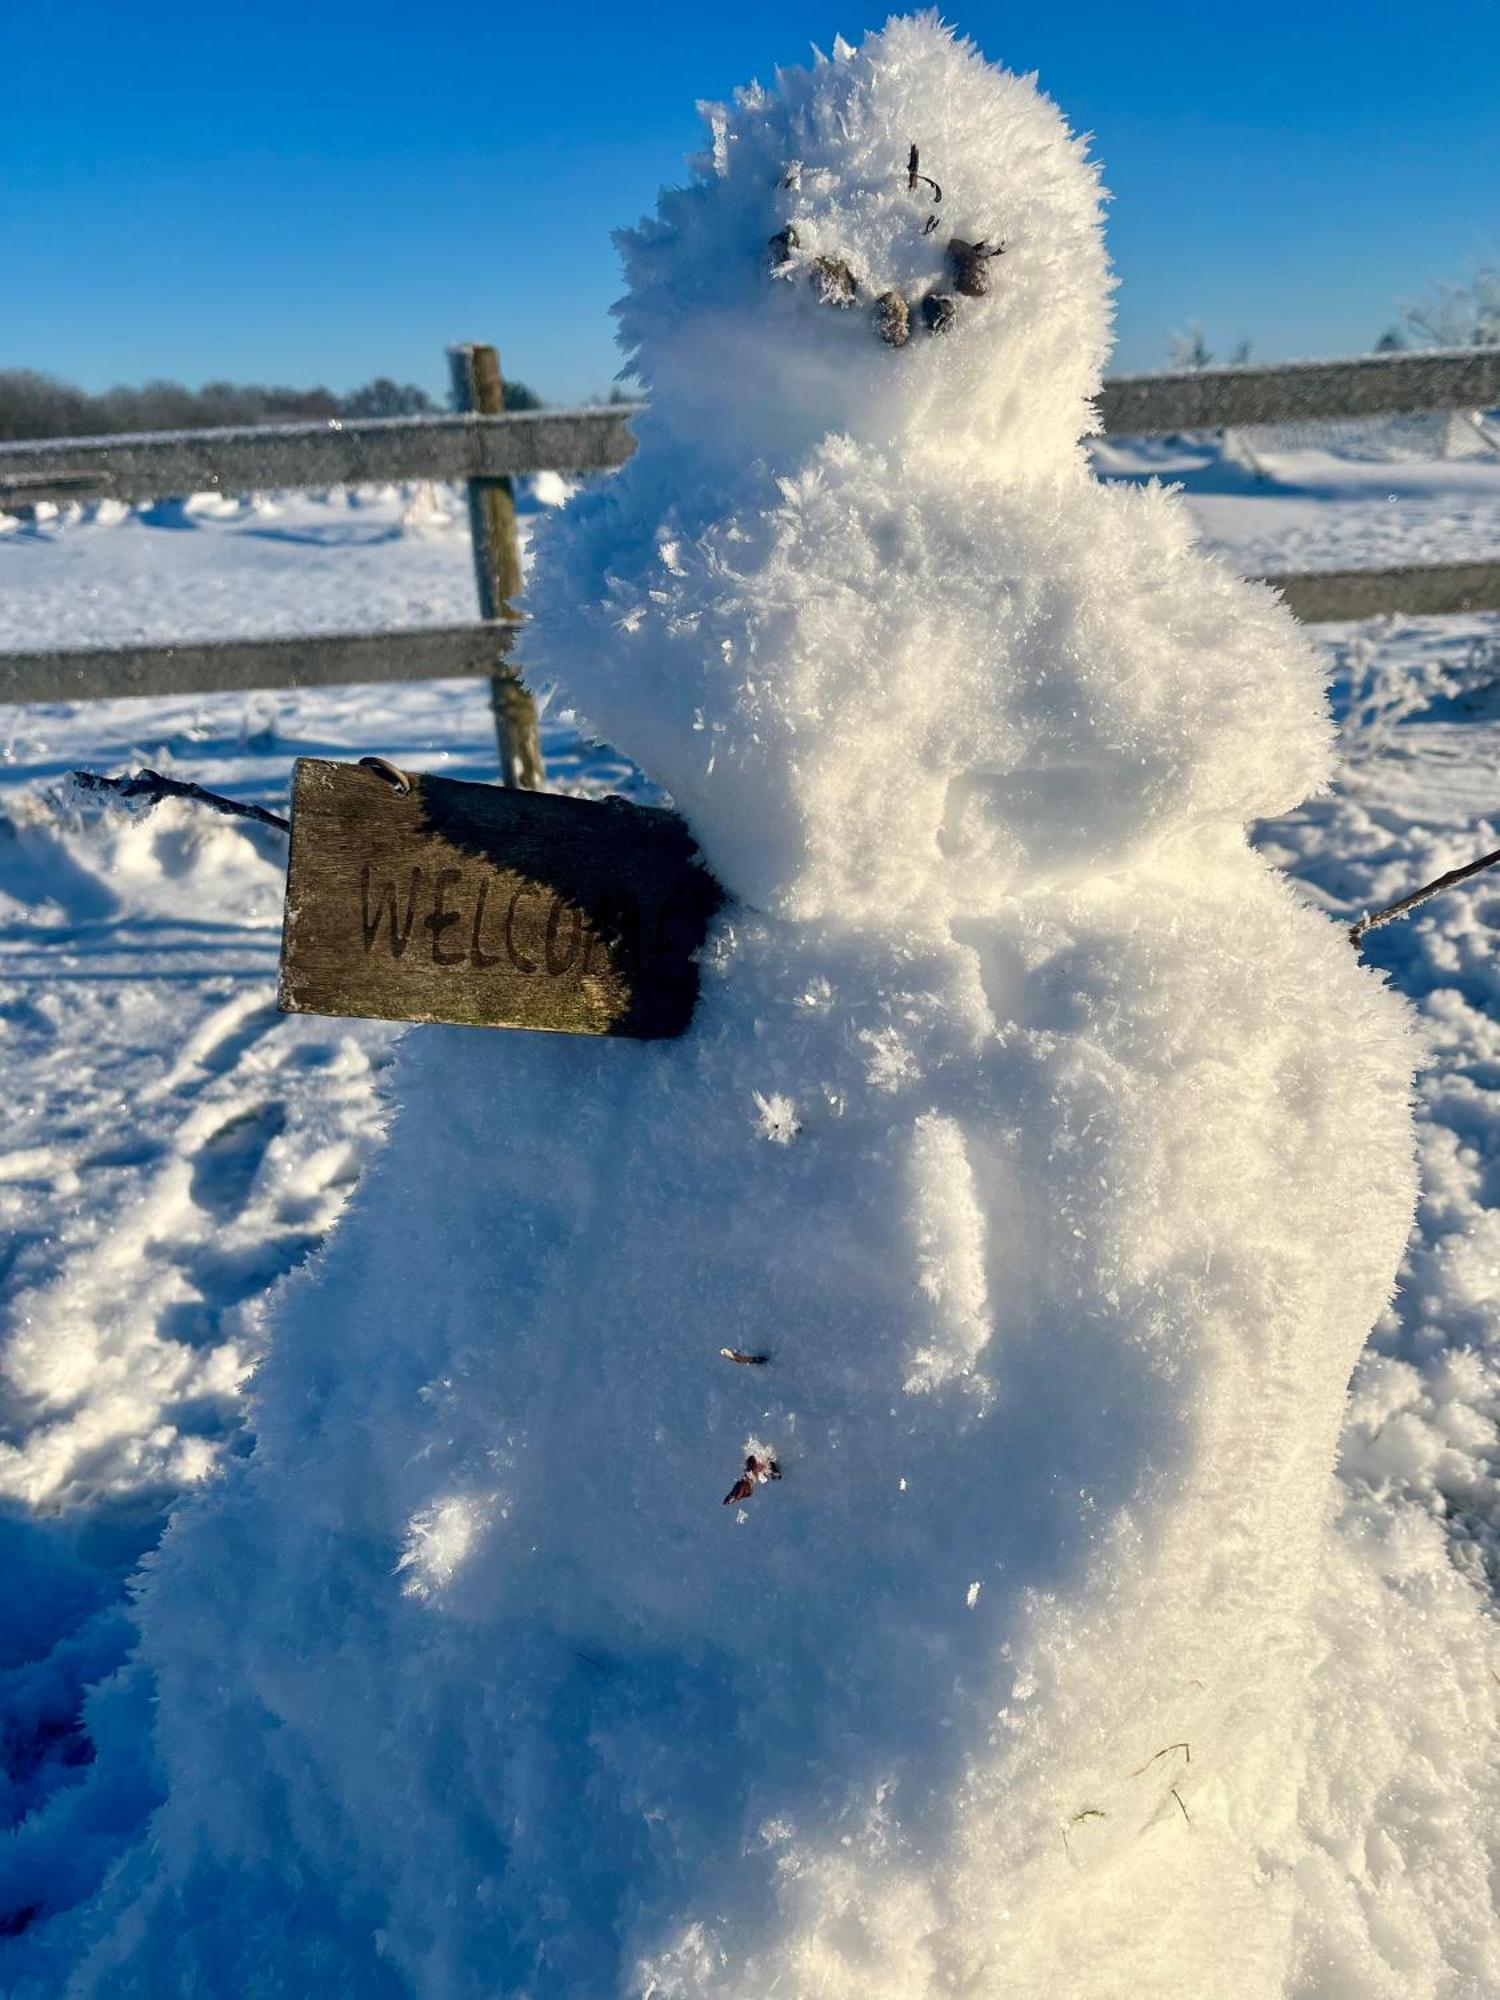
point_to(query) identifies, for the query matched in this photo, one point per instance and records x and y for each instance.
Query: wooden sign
(413, 898)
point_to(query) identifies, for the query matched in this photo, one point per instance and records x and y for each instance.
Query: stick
(915, 180)
(1183, 1747)
(154, 786)
(479, 386)
(1451, 880)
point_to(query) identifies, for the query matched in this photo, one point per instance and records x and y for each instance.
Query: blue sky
(322, 192)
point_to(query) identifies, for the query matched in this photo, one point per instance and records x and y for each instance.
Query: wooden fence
(484, 449)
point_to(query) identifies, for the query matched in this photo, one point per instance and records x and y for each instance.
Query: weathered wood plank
(1442, 590)
(149, 466)
(436, 652)
(488, 907)
(1301, 391)
(478, 386)
(221, 666)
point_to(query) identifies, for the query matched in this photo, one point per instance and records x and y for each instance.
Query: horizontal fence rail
(1325, 597)
(1378, 385)
(226, 666)
(476, 447)
(459, 651)
(264, 458)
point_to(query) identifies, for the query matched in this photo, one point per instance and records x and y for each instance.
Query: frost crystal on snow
(439, 1540)
(776, 1118)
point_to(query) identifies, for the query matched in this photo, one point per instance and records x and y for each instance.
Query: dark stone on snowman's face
(971, 266)
(892, 317)
(938, 311)
(833, 281)
(781, 247)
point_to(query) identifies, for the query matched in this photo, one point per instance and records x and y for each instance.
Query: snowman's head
(902, 244)
(857, 602)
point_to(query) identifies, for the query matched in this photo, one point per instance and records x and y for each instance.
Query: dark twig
(914, 180)
(1183, 1747)
(154, 786)
(1451, 880)
(1181, 1807)
(757, 1472)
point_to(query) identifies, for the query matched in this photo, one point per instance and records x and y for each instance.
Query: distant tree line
(36, 405)
(1466, 314)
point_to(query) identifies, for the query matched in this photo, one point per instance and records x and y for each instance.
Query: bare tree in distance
(1190, 350)
(35, 405)
(1466, 314)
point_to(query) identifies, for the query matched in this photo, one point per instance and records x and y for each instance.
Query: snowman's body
(1055, 1158)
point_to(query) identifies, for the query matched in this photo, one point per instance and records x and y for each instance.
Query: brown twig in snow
(1166, 1752)
(914, 180)
(757, 1472)
(1181, 1807)
(153, 785)
(1451, 880)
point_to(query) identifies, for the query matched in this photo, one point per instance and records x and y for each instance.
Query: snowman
(830, 1505)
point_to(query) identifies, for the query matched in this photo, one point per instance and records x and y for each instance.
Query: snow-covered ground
(173, 1146)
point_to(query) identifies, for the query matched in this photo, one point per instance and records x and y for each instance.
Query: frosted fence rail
(460, 448)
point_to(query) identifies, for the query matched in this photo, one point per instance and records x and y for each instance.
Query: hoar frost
(1089, 1166)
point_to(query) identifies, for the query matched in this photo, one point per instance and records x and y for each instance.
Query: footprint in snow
(229, 1159)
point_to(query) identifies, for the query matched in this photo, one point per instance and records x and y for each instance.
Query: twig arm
(154, 785)
(1451, 880)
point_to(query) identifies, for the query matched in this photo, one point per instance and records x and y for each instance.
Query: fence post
(479, 387)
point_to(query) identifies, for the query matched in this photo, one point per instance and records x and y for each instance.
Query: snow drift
(1056, 1158)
